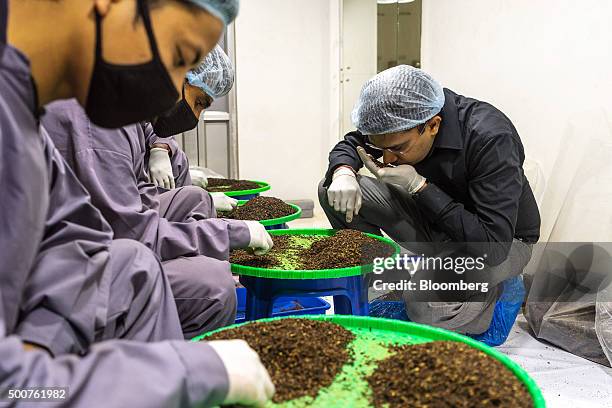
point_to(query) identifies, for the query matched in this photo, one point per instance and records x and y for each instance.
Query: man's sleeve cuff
(333, 165)
(239, 235)
(47, 329)
(170, 141)
(432, 201)
(207, 379)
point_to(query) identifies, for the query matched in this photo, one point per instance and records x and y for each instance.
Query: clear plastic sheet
(567, 289)
(603, 318)
(570, 299)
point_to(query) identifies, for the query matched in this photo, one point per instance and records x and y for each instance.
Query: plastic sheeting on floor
(566, 380)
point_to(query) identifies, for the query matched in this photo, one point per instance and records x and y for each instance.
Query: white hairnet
(397, 99)
(214, 75)
(226, 10)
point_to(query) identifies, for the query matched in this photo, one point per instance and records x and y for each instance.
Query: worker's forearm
(191, 373)
(212, 237)
(164, 146)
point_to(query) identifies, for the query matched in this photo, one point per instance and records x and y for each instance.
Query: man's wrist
(419, 187)
(423, 187)
(164, 146)
(343, 170)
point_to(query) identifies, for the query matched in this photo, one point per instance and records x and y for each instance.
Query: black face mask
(179, 119)
(120, 95)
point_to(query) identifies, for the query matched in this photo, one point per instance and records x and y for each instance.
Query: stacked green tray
(373, 336)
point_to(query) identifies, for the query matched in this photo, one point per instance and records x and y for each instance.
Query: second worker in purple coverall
(179, 225)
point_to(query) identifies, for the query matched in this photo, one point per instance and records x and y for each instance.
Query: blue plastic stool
(284, 306)
(350, 294)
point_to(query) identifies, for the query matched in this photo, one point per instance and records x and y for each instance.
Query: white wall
(545, 63)
(287, 63)
(541, 62)
(359, 53)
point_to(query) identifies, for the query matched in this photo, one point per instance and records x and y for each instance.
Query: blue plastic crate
(285, 306)
(245, 196)
(507, 309)
(388, 309)
(277, 226)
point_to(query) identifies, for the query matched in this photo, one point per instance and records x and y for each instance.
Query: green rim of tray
(309, 274)
(263, 187)
(279, 220)
(420, 334)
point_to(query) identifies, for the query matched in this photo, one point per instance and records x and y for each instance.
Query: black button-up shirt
(477, 189)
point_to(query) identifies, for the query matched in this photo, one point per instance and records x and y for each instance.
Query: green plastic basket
(263, 186)
(309, 274)
(397, 332)
(279, 220)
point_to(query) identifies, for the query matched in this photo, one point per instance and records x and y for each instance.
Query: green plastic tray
(309, 274)
(263, 187)
(279, 220)
(372, 334)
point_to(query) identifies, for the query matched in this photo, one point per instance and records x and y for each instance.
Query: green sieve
(263, 186)
(309, 274)
(372, 338)
(279, 220)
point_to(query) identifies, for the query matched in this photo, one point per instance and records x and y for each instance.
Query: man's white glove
(160, 168)
(223, 202)
(249, 381)
(200, 175)
(344, 193)
(403, 175)
(261, 241)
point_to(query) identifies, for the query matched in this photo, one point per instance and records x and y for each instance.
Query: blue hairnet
(214, 75)
(397, 99)
(226, 10)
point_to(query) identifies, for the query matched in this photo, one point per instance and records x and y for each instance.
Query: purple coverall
(180, 225)
(63, 280)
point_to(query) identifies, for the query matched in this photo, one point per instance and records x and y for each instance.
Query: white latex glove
(403, 175)
(344, 193)
(200, 175)
(261, 241)
(249, 381)
(160, 168)
(223, 202)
